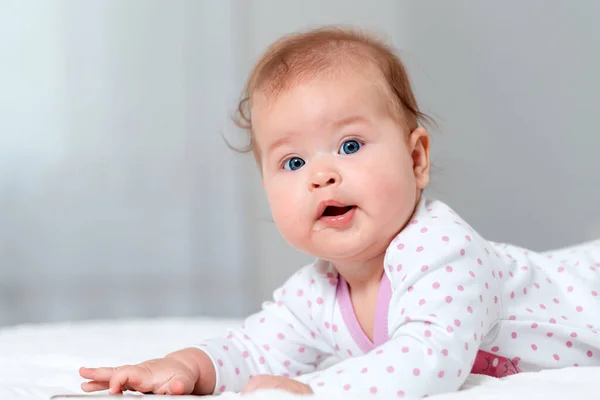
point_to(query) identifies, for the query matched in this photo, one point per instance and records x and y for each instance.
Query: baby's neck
(362, 274)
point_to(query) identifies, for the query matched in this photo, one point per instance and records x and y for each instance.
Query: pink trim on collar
(380, 329)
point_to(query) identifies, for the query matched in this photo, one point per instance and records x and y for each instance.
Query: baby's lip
(328, 203)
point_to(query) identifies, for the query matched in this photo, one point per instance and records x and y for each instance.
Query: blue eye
(349, 147)
(294, 163)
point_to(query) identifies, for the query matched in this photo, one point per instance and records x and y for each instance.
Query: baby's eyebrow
(350, 120)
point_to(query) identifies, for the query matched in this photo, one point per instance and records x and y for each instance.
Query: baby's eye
(294, 163)
(349, 147)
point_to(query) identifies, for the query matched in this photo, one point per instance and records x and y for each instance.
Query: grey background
(118, 197)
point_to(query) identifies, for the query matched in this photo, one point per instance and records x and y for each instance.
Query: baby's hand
(276, 382)
(160, 376)
(176, 374)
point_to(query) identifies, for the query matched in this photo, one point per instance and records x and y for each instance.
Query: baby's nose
(324, 179)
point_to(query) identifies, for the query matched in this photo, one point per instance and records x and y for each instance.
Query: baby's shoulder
(434, 236)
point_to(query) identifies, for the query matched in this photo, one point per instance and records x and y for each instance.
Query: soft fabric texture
(44, 359)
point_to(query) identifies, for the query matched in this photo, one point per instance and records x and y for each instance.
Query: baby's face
(341, 176)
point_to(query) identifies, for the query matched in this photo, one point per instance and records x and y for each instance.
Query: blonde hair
(302, 56)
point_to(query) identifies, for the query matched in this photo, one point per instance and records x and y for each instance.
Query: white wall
(118, 195)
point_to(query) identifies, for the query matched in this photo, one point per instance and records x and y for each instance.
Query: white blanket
(41, 360)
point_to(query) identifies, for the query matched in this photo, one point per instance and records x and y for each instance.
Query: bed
(41, 360)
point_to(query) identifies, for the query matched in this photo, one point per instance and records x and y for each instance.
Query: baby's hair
(306, 55)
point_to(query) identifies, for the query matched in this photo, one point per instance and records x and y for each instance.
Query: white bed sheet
(37, 361)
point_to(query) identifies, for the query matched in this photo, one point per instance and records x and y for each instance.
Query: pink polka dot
(555, 300)
(543, 307)
(470, 310)
(479, 261)
(468, 238)
(334, 327)
(534, 325)
(459, 373)
(514, 335)
(410, 288)
(319, 300)
(373, 390)
(449, 329)
(445, 238)
(225, 348)
(534, 347)
(549, 334)
(390, 369)
(220, 363)
(589, 353)
(261, 360)
(512, 317)
(448, 299)
(245, 354)
(333, 282)
(448, 268)
(321, 384)
(266, 347)
(569, 344)
(300, 293)
(327, 325)
(579, 309)
(436, 285)
(349, 352)
(472, 274)
(424, 268)
(460, 288)
(556, 357)
(222, 389)
(495, 349)
(462, 252)
(573, 335)
(416, 372)
(569, 288)
(427, 333)
(379, 351)
(445, 352)
(561, 269)
(237, 371)
(280, 336)
(414, 221)
(429, 351)
(364, 371)
(421, 302)
(524, 290)
(420, 249)
(399, 267)
(457, 322)
(441, 374)
(405, 349)
(400, 393)
(423, 230)
(287, 363)
(552, 320)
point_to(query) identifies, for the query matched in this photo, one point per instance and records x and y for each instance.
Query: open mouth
(335, 211)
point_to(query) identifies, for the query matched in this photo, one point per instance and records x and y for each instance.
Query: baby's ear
(419, 148)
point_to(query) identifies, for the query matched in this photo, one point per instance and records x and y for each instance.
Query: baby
(404, 294)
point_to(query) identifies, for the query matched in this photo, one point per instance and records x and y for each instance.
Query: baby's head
(334, 127)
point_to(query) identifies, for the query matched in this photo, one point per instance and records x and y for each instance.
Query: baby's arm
(444, 301)
(279, 340)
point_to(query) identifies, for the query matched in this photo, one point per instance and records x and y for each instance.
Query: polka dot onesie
(449, 303)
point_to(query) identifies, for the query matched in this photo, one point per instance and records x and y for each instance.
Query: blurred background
(119, 197)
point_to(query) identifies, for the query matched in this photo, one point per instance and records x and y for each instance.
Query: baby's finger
(94, 386)
(118, 381)
(97, 374)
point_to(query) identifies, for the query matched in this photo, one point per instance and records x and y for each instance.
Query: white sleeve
(444, 300)
(279, 340)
